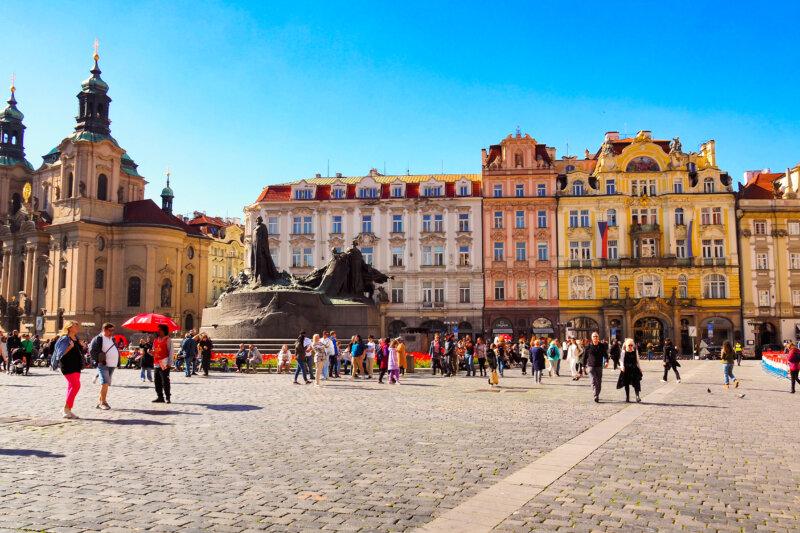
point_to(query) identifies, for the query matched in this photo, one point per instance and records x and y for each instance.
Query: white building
(423, 230)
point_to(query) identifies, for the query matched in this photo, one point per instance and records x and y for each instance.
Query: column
(30, 259)
(5, 288)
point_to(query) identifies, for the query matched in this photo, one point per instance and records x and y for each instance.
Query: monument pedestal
(268, 313)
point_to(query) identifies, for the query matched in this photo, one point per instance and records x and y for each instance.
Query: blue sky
(235, 96)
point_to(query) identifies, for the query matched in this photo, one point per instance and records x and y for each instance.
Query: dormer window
(578, 189)
(397, 191)
(369, 192)
(570, 168)
(304, 194)
(708, 185)
(432, 190)
(464, 188)
(338, 193)
(518, 160)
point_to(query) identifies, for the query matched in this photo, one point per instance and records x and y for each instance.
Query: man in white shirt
(104, 350)
(369, 356)
(326, 340)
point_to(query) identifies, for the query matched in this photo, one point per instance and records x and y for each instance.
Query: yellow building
(769, 242)
(226, 255)
(647, 244)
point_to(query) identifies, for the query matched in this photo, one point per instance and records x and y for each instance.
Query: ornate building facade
(423, 230)
(647, 243)
(79, 240)
(769, 243)
(519, 238)
(226, 255)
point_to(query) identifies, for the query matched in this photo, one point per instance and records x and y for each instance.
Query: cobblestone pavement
(244, 452)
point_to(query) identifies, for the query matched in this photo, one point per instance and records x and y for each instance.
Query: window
(397, 223)
(272, 225)
(644, 216)
(793, 227)
(519, 190)
(134, 291)
(500, 290)
(397, 192)
(438, 223)
(189, 283)
(367, 252)
(463, 222)
(761, 261)
(541, 219)
(708, 185)
(573, 218)
(714, 286)
(611, 186)
(438, 255)
(338, 193)
(398, 295)
(648, 286)
(683, 286)
(432, 190)
(796, 297)
(438, 294)
(519, 219)
(794, 261)
(760, 227)
(680, 248)
(463, 255)
(679, 221)
(301, 225)
(584, 218)
(613, 287)
(366, 223)
(433, 255)
(498, 220)
(574, 251)
(397, 256)
(99, 278)
(427, 256)
(463, 292)
(497, 191)
(542, 253)
(648, 247)
(763, 298)
(427, 223)
(612, 250)
(499, 251)
(463, 190)
(577, 188)
(336, 224)
(521, 253)
(102, 187)
(518, 160)
(302, 194)
(677, 186)
(611, 217)
(297, 257)
(541, 189)
(369, 192)
(586, 250)
(427, 294)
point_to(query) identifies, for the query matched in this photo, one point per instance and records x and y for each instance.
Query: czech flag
(602, 242)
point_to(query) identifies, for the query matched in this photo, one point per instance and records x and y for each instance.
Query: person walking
(630, 374)
(670, 361)
(320, 354)
(26, 345)
(206, 347)
(401, 355)
(333, 358)
(573, 359)
(325, 339)
(436, 351)
(537, 360)
(737, 348)
(493, 360)
(450, 361)
(162, 359)
(189, 353)
(553, 357)
(67, 354)
(382, 355)
(146, 361)
(524, 354)
(793, 358)
(594, 356)
(393, 363)
(614, 352)
(300, 347)
(480, 353)
(469, 356)
(728, 357)
(501, 354)
(357, 355)
(104, 350)
(369, 356)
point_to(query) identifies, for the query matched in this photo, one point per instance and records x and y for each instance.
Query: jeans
(149, 372)
(188, 365)
(326, 367)
(470, 359)
(728, 369)
(481, 366)
(500, 366)
(537, 376)
(739, 358)
(558, 367)
(162, 383)
(333, 365)
(301, 367)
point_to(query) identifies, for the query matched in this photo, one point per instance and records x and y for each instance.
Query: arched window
(679, 220)
(714, 286)
(166, 293)
(70, 187)
(580, 288)
(613, 287)
(683, 286)
(578, 189)
(581, 327)
(396, 328)
(189, 283)
(134, 291)
(648, 286)
(188, 322)
(518, 160)
(99, 278)
(642, 164)
(102, 187)
(611, 217)
(62, 276)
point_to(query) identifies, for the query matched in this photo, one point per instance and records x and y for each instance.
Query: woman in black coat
(630, 374)
(670, 360)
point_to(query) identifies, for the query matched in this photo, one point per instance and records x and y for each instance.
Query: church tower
(94, 103)
(15, 170)
(166, 197)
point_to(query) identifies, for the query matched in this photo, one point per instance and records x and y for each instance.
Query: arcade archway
(648, 330)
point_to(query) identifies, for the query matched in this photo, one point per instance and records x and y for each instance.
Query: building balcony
(427, 306)
(648, 261)
(712, 261)
(637, 229)
(580, 263)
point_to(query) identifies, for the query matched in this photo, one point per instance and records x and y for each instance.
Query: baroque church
(80, 241)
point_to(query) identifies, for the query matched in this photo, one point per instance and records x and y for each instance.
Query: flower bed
(775, 363)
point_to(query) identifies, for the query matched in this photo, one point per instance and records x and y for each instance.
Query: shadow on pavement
(42, 454)
(234, 407)
(128, 421)
(156, 412)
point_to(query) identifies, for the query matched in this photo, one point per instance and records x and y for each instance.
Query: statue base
(277, 313)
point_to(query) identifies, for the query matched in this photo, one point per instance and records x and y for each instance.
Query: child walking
(393, 363)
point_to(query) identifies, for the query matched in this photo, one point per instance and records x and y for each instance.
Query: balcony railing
(645, 228)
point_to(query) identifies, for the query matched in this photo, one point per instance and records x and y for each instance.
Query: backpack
(59, 350)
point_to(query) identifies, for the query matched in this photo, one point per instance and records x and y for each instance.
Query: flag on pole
(689, 252)
(602, 227)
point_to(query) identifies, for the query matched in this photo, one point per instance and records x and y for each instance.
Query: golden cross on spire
(13, 82)
(168, 173)
(96, 48)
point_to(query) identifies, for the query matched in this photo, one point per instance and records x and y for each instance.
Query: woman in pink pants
(71, 363)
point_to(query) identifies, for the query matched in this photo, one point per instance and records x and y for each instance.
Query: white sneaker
(663, 381)
(679, 381)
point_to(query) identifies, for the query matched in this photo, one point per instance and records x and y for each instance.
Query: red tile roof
(760, 186)
(205, 220)
(147, 213)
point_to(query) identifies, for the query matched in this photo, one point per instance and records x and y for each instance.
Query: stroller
(16, 365)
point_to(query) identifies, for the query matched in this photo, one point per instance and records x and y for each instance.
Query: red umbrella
(149, 322)
(120, 339)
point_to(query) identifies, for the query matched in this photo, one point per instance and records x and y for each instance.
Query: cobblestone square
(255, 452)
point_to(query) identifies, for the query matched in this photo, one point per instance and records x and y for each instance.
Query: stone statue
(261, 265)
(383, 297)
(166, 294)
(346, 275)
(675, 146)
